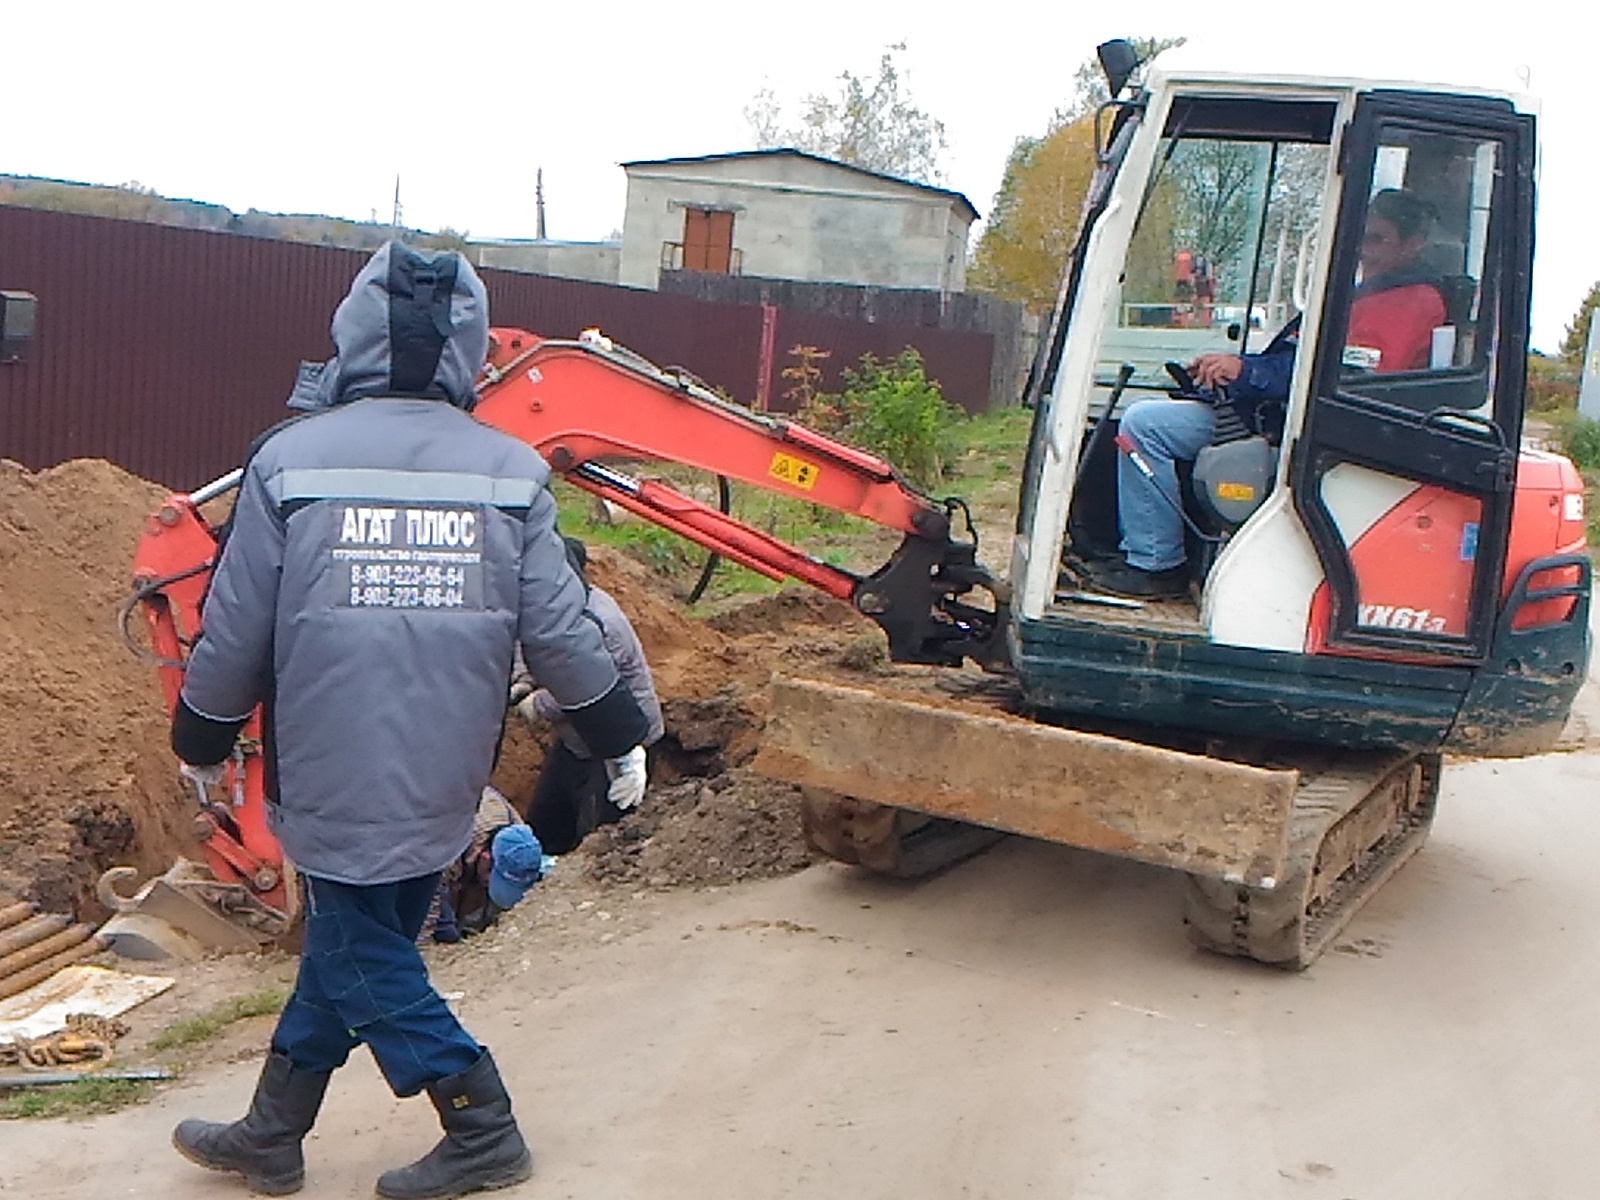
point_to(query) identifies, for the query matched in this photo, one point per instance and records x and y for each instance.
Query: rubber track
(1291, 925)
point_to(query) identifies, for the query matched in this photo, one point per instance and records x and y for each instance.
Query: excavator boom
(592, 408)
(589, 405)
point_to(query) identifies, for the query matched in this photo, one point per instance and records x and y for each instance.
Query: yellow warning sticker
(796, 472)
(1235, 491)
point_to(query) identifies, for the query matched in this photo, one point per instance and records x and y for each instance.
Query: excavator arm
(588, 405)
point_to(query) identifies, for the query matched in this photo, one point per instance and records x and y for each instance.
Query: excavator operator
(1393, 313)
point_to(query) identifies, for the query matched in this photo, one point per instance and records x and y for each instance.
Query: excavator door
(1405, 468)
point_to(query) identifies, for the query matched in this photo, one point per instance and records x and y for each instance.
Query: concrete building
(786, 214)
(594, 262)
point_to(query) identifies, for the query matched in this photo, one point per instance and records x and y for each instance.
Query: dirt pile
(708, 819)
(87, 781)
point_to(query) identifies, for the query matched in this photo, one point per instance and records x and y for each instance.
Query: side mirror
(17, 311)
(1118, 61)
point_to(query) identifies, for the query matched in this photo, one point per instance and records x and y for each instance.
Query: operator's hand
(628, 778)
(1216, 369)
(206, 777)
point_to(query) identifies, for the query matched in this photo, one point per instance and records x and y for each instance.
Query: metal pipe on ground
(18, 960)
(26, 978)
(22, 1079)
(15, 914)
(32, 930)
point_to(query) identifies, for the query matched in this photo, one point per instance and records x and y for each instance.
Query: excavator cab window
(1222, 237)
(1424, 271)
(1220, 259)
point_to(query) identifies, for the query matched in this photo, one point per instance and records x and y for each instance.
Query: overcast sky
(290, 106)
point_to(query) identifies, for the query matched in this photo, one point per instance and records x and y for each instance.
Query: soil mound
(87, 780)
(733, 826)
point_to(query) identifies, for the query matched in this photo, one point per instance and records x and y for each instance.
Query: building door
(707, 240)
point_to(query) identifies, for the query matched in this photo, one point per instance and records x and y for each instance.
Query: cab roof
(1332, 66)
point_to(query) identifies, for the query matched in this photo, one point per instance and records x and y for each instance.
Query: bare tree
(871, 123)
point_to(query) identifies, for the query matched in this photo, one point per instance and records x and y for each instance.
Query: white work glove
(627, 775)
(205, 777)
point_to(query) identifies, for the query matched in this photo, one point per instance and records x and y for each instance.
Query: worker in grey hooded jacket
(385, 555)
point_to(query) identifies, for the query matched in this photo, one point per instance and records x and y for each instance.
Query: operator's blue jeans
(1162, 431)
(362, 979)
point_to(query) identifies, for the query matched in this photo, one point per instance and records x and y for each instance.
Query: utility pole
(538, 202)
(394, 224)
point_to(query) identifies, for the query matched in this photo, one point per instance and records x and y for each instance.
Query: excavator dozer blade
(958, 762)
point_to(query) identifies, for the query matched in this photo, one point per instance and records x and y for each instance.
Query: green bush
(1580, 441)
(894, 410)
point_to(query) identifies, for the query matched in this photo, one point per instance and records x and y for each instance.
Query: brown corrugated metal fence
(167, 350)
(164, 350)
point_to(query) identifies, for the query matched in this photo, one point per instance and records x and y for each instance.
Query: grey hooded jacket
(385, 556)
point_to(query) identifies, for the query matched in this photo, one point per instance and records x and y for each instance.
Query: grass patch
(1582, 443)
(79, 1098)
(1001, 435)
(1575, 436)
(90, 1095)
(194, 1031)
(1591, 509)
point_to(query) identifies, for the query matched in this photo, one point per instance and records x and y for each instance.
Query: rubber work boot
(264, 1146)
(1120, 579)
(481, 1148)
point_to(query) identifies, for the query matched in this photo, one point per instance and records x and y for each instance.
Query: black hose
(725, 506)
(142, 592)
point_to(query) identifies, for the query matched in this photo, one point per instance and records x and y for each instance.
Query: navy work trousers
(362, 980)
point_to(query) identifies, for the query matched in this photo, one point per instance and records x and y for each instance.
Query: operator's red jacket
(1397, 322)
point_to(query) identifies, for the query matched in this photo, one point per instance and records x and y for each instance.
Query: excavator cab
(1374, 560)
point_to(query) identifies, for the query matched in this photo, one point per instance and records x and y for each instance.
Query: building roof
(789, 151)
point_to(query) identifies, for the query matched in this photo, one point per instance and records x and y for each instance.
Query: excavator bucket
(962, 761)
(186, 914)
(1282, 845)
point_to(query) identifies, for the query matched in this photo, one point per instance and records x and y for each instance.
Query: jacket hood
(415, 323)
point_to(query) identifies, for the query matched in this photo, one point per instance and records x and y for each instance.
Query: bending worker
(578, 790)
